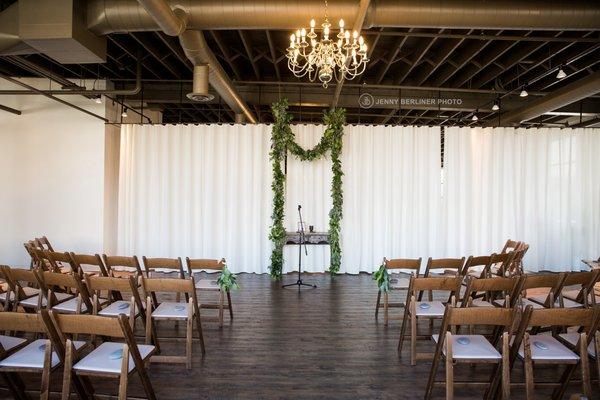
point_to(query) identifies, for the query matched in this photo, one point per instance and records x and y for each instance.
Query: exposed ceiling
(470, 67)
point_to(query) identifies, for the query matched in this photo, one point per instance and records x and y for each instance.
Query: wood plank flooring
(320, 343)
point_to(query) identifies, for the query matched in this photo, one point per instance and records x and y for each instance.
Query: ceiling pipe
(588, 86)
(109, 16)
(84, 92)
(197, 50)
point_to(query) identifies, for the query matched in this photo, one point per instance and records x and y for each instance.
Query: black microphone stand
(299, 282)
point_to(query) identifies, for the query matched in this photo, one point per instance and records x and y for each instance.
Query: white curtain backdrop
(196, 190)
(204, 191)
(541, 186)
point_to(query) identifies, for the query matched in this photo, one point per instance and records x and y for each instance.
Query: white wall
(51, 174)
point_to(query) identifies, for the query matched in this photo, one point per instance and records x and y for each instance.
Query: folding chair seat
(401, 270)
(433, 309)
(210, 284)
(117, 289)
(472, 349)
(10, 343)
(539, 349)
(172, 311)
(110, 359)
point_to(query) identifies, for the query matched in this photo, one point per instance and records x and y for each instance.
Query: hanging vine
(283, 140)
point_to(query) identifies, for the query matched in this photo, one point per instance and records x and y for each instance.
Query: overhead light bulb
(98, 100)
(561, 74)
(474, 117)
(495, 107)
(124, 113)
(523, 93)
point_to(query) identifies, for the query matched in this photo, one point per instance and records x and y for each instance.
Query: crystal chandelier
(327, 59)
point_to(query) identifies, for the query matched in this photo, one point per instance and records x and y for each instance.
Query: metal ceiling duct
(200, 85)
(108, 16)
(197, 50)
(585, 87)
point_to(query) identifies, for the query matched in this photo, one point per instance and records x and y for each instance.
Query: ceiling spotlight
(474, 117)
(124, 113)
(561, 74)
(524, 92)
(496, 106)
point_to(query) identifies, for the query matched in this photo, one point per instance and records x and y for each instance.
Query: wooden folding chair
(471, 349)
(159, 267)
(64, 293)
(551, 282)
(442, 267)
(37, 356)
(510, 245)
(89, 264)
(110, 359)
(194, 265)
(30, 248)
(477, 266)
(501, 264)
(493, 289)
(544, 349)
(516, 265)
(43, 243)
(122, 267)
(400, 270)
(24, 285)
(582, 295)
(431, 310)
(55, 261)
(173, 311)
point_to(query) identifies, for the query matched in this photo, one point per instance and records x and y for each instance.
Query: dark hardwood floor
(320, 343)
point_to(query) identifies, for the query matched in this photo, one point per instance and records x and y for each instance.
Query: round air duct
(200, 85)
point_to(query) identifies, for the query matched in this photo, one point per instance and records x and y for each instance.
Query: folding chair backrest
(215, 265)
(153, 264)
(584, 279)
(168, 285)
(21, 322)
(585, 317)
(97, 284)
(497, 284)
(43, 243)
(71, 324)
(477, 261)
(536, 281)
(510, 245)
(119, 261)
(409, 265)
(81, 260)
(455, 264)
(50, 281)
(19, 275)
(451, 283)
(480, 316)
(30, 249)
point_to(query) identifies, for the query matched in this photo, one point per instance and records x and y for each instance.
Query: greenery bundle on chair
(283, 140)
(382, 277)
(227, 280)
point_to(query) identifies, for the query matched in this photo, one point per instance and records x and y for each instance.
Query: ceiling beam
(226, 54)
(273, 55)
(397, 48)
(440, 58)
(416, 58)
(249, 52)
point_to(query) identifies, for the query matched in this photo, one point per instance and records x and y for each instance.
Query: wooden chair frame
(406, 266)
(120, 261)
(72, 325)
(193, 265)
(588, 319)
(51, 283)
(14, 278)
(501, 263)
(151, 265)
(552, 281)
(587, 280)
(500, 318)
(417, 286)
(477, 261)
(510, 287)
(447, 264)
(151, 286)
(55, 261)
(79, 260)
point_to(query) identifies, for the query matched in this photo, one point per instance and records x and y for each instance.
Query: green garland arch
(283, 140)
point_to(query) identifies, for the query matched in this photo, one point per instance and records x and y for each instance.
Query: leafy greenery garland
(282, 140)
(382, 278)
(227, 280)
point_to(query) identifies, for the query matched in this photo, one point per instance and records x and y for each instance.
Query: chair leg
(199, 328)
(124, 373)
(505, 367)
(189, 335)
(597, 347)
(229, 305)
(528, 368)
(149, 321)
(413, 336)
(66, 386)
(403, 327)
(221, 301)
(45, 389)
(377, 305)
(449, 368)
(385, 308)
(585, 366)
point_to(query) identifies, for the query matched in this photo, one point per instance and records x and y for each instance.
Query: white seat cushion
(171, 310)
(107, 358)
(430, 309)
(567, 302)
(399, 283)
(69, 306)
(481, 303)
(527, 302)
(572, 295)
(573, 338)
(545, 347)
(33, 301)
(117, 308)
(10, 342)
(470, 347)
(32, 356)
(207, 284)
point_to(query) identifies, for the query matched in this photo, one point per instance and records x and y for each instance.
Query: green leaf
(227, 281)
(382, 278)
